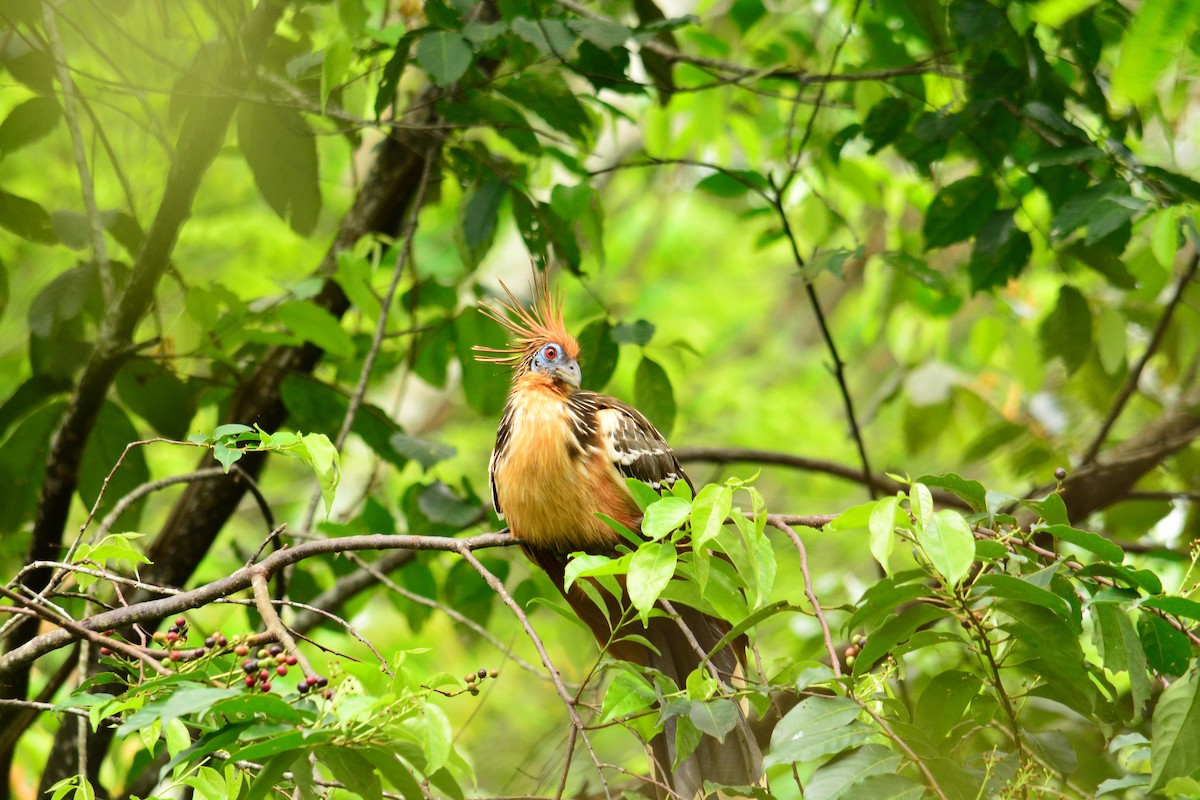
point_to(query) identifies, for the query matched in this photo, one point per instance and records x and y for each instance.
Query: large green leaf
(281, 150)
(28, 122)
(815, 727)
(959, 211)
(653, 395)
(1175, 745)
(445, 55)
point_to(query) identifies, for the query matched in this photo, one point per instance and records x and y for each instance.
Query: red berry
(175, 655)
(180, 621)
(281, 669)
(264, 675)
(291, 660)
(172, 636)
(327, 694)
(250, 681)
(241, 650)
(104, 651)
(265, 686)
(312, 680)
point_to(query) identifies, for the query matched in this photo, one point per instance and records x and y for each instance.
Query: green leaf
(1179, 606)
(710, 509)
(28, 122)
(1000, 585)
(1067, 331)
(1099, 210)
(312, 323)
(1093, 543)
(394, 772)
(281, 150)
(584, 564)
(1167, 649)
(944, 702)
(664, 516)
(653, 395)
(715, 717)
(886, 120)
(1175, 745)
(842, 777)
(1001, 251)
(485, 385)
(598, 354)
(898, 629)
(480, 215)
(882, 526)
(186, 700)
(815, 727)
(650, 570)
(601, 31)
(353, 770)
(1156, 36)
(732, 183)
(445, 55)
(157, 395)
(438, 737)
(959, 211)
(971, 491)
(1122, 651)
(112, 433)
(26, 219)
(628, 693)
(425, 452)
(948, 543)
(639, 333)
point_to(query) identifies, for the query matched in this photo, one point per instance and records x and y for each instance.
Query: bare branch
(1135, 372)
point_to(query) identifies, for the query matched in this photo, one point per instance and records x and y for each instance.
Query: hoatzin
(561, 458)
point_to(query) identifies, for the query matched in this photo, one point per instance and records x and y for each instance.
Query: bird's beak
(569, 372)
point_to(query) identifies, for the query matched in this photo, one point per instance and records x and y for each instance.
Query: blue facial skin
(551, 360)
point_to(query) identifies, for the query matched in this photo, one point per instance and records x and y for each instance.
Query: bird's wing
(503, 433)
(634, 445)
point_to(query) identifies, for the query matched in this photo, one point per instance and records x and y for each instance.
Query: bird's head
(540, 341)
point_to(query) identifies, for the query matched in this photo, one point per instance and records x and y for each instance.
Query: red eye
(550, 352)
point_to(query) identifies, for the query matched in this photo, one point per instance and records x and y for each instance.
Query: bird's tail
(736, 760)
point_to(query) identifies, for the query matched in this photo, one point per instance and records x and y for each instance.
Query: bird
(560, 462)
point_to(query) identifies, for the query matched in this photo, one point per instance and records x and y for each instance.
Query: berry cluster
(857, 641)
(174, 640)
(273, 659)
(473, 679)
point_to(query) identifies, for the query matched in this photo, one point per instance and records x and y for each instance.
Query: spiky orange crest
(531, 327)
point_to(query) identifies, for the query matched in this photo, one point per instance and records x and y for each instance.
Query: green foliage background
(987, 208)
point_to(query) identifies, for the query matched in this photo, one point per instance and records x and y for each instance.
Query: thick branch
(21, 657)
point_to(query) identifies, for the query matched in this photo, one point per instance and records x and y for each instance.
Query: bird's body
(561, 458)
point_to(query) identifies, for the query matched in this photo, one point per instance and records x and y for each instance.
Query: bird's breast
(549, 485)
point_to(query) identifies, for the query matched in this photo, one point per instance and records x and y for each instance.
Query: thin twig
(838, 365)
(891, 734)
(82, 632)
(238, 581)
(775, 522)
(364, 374)
(1135, 372)
(577, 726)
(71, 116)
(458, 617)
